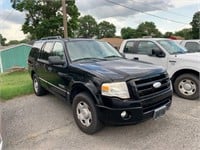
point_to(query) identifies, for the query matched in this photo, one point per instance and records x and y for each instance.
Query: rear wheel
(86, 114)
(187, 86)
(38, 89)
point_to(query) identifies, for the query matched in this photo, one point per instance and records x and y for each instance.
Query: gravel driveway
(32, 122)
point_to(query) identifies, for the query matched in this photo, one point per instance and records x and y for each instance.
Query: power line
(169, 12)
(7, 16)
(133, 9)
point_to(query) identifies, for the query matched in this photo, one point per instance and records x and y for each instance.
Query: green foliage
(185, 33)
(2, 40)
(87, 27)
(148, 29)
(15, 84)
(73, 15)
(106, 29)
(167, 34)
(25, 40)
(143, 29)
(196, 25)
(128, 33)
(45, 18)
(15, 42)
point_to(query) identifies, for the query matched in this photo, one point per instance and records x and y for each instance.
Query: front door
(142, 50)
(51, 76)
(56, 76)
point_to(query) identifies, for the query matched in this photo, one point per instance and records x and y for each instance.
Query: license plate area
(159, 112)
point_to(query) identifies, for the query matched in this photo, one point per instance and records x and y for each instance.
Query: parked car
(183, 67)
(191, 45)
(102, 86)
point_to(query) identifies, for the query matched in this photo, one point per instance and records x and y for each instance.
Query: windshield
(91, 50)
(172, 47)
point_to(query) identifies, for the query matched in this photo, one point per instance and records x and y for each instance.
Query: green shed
(15, 56)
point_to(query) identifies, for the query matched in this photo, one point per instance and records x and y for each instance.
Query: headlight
(116, 89)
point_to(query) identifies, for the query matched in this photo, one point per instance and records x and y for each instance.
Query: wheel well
(32, 73)
(189, 71)
(78, 89)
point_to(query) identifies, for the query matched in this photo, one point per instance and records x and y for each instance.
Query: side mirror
(55, 60)
(158, 52)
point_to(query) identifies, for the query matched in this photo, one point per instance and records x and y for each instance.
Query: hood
(119, 69)
(189, 57)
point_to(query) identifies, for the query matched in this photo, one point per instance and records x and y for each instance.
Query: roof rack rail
(51, 37)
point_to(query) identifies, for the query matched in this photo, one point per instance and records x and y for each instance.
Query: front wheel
(187, 86)
(85, 113)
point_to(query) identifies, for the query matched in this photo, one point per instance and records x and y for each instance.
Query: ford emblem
(157, 85)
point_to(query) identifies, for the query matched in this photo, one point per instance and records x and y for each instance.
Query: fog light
(124, 114)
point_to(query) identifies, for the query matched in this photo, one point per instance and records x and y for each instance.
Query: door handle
(50, 69)
(135, 58)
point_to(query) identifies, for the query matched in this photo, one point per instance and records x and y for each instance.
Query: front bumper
(137, 110)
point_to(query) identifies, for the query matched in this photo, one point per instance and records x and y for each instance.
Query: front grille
(143, 92)
(154, 105)
(145, 87)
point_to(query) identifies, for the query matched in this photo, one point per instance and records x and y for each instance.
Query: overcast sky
(168, 15)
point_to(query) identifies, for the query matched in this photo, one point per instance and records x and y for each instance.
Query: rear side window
(45, 53)
(129, 47)
(192, 46)
(34, 52)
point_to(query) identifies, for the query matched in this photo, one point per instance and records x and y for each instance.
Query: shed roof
(114, 41)
(4, 48)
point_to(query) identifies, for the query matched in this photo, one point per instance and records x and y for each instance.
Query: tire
(187, 86)
(85, 113)
(38, 89)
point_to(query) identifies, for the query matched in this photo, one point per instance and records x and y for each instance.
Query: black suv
(102, 86)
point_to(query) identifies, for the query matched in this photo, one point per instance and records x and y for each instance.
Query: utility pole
(64, 19)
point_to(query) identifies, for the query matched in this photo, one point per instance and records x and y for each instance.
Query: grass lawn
(15, 84)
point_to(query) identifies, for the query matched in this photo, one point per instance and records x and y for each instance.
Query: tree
(87, 27)
(148, 29)
(106, 29)
(167, 34)
(45, 18)
(128, 32)
(13, 42)
(2, 40)
(186, 33)
(196, 25)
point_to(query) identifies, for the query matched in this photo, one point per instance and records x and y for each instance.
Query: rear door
(43, 63)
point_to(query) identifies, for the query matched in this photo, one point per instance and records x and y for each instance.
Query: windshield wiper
(88, 58)
(179, 52)
(113, 56)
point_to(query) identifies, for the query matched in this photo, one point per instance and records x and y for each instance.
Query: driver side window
(146, 47)
(129, 47)
(58, 50)
(46, 50)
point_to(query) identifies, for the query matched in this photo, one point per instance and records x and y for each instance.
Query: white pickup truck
(183, 67)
